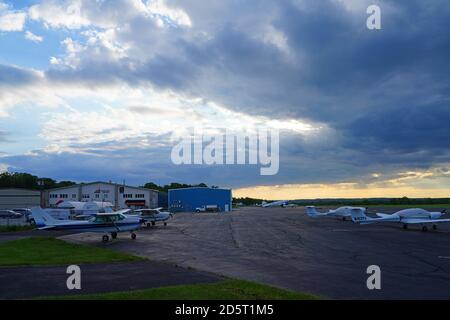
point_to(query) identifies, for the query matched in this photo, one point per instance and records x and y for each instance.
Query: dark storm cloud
(422, 128)
(11, 75)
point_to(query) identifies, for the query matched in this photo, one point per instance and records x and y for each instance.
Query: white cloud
(3, 166)
(33, 90)
(159, 7)
(76, 14)
(59, 14)
(138, 115)
(12, 20)
(32, 37)
(3, 6)
(55, 61)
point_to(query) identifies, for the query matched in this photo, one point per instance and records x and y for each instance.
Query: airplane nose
(436, 215)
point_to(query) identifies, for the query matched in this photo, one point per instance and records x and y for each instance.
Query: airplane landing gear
(424, 228)
(133, 236)
(165, 224)
(344, 219)
(148, 225)
(434, 227)
(105, 238)
(405, 226)
(114, 235)
(153, 223)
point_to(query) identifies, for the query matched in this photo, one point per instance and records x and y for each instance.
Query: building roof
(209, 188)
(101, 182)
(36, 192)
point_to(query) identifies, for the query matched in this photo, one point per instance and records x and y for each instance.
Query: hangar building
(11, 198)
(188, 199)
(121, 196)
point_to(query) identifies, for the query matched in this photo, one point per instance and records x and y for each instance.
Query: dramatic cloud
(351, 103)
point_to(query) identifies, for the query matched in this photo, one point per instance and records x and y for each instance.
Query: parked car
(26, 213)
(9, 214)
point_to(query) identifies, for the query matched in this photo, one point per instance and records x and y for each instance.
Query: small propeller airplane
(151, 216)
(112, 222)
(343, 212)
(281, 203)
(406, 217)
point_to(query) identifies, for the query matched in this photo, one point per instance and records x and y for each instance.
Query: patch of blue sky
(22, 130)
(15, 49)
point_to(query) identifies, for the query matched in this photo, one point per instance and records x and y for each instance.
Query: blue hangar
(190, 199)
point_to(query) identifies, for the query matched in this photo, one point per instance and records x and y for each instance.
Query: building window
(63, 196)
(127, 195)
(97, 196)
(85, 196)
(140, 196)
(74, 195)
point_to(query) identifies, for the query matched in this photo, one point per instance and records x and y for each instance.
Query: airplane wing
(123, 211)
(114, 213)
(422, 221)
(46, 228)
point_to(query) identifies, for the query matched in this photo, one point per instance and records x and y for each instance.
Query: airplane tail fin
(42, 218)
(311, 211)
(358, 215)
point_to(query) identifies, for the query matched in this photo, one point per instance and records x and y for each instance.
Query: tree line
(32, 182)
(173, 185)
(29, 181)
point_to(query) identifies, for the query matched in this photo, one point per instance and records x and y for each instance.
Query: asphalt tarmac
(286, 248)
(44, 281)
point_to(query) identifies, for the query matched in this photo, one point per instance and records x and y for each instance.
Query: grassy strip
(406, 206)
(14, 228)
(51, 251)
(224, 290)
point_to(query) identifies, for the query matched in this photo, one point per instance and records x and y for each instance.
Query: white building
(120, 196)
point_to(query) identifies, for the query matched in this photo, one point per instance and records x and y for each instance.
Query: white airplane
(281, 203)
(405, 217)
(112, 222)
(151, 216)
(343, 212)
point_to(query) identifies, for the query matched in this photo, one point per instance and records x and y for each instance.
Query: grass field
(50, 251)
(405, 206)
(15, 228)
(224, 290)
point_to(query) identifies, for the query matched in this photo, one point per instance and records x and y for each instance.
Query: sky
(101, 90)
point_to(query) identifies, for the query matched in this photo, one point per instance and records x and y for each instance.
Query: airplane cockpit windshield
(149, 213)
(107, 218)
